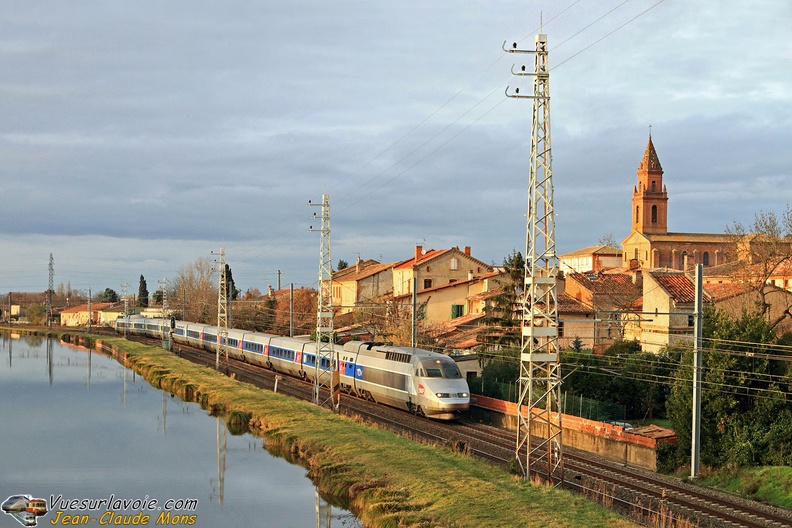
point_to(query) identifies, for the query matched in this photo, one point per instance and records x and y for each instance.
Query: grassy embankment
(772, 485)
(388, 480)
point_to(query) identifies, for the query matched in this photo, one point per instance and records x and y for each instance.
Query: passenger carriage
(255, 348)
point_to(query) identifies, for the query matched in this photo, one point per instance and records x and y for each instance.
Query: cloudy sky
(137, 137)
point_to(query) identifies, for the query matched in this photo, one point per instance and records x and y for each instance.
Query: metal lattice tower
(326, 371)
(539, 410)
(222, 312)
(51, 289)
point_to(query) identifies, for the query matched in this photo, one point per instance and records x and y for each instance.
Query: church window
(705, 258)
(654, 214)
(636, 253)
(654, 186)
(637, 213)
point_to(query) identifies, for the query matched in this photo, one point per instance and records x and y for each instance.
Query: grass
(769, 484)
(386, 479)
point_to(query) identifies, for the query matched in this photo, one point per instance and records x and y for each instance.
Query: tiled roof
(374, 269)
(678, 286)
(726, 290)
(353, 269)
(428, 255)
(594, 250)
(568, 304)
(650, 160)
(690, 237)
(95, 307)
(606, 283)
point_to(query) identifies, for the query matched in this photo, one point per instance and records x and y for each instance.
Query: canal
(91, 437)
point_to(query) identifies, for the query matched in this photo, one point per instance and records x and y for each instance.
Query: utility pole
(90, 314)
(50, 290)
(539, 402)
(126, 308)
(222, 313)
(695, 444)
(326, 369)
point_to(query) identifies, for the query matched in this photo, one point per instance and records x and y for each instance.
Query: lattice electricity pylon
(538, 407)
(222, 313)
(326, 368)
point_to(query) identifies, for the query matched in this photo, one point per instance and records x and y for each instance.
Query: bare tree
(608, 239)
(197, 285)
(765, 253)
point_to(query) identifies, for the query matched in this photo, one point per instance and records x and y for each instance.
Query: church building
(650, 245)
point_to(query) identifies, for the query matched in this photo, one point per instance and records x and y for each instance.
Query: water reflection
(100, 430)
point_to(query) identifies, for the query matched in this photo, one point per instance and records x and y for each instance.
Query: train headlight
(443, 395)
(463, 395)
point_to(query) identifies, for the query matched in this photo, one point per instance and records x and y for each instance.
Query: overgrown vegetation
(746, 411)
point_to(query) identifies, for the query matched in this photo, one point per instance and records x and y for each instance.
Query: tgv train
(417, 380)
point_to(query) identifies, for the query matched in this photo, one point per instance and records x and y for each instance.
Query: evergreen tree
(231, 289)
(143, 293)
(109, 295)
(501, 323)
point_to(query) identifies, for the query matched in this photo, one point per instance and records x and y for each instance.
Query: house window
(654, 214)
(560, 328)
(427, 283)
(454, 263)
(457, 310)
(705, 259)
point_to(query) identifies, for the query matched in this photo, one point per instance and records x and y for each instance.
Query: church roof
(689, 237)
(650, 161)
(594, 250)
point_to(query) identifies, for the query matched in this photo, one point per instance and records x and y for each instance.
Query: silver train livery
(413, 379)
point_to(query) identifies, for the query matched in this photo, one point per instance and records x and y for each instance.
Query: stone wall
(608, 441)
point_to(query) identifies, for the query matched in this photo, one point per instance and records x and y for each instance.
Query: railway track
(649, 498)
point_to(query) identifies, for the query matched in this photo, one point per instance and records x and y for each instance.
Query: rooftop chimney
(467, 250)
(418, 252)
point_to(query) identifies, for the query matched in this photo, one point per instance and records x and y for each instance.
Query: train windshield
(442, 369)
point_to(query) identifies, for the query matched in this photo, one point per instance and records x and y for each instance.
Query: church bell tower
(650, 201)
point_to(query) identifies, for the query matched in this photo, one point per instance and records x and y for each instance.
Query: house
(435, 267)
(100, 313)
(367, 280)
(455, 299)
(590, 259)
(609, 295)
(668, 310)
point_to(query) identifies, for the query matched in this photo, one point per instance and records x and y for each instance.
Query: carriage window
(432, 372)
